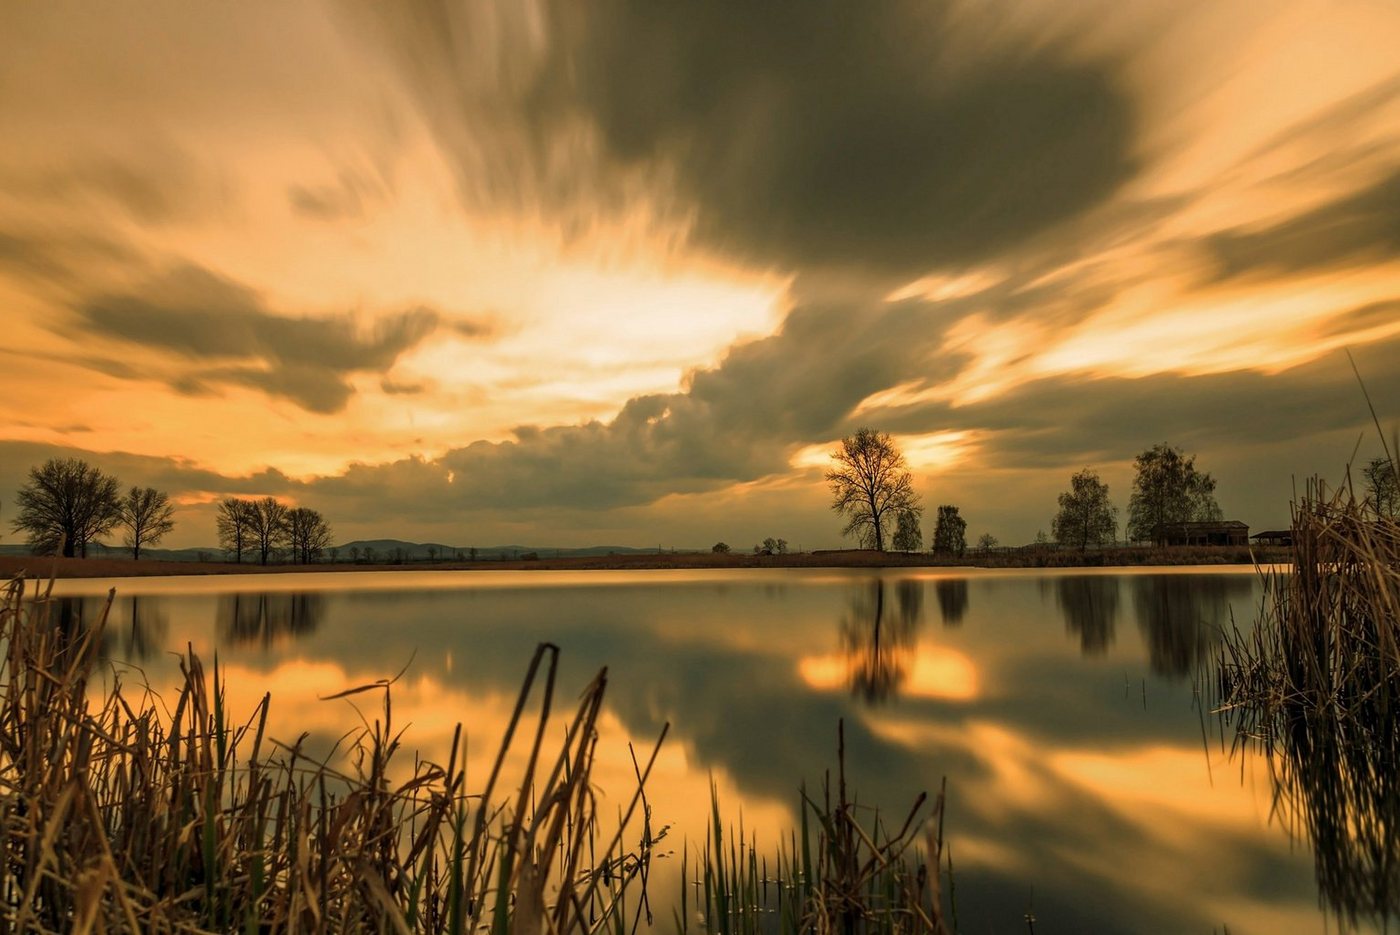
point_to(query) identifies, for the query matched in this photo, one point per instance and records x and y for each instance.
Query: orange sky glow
(478, 273)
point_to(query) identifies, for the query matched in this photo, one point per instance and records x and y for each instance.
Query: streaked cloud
(504, 266)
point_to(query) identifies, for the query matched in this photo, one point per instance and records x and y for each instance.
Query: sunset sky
(623, 273)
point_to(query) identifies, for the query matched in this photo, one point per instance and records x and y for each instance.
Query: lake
(1088, 783)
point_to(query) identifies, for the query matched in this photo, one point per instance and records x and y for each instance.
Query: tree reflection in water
(879, 645)
(1090, 606)
(1183, 617)
(952, 600)
(139, 631)
(1337, 774)
(265, 618)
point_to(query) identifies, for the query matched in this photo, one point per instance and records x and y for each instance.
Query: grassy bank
(121, 810)
(43, 567)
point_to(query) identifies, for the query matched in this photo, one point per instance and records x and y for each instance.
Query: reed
(120, 814)
(843, 875)
(1315, 688)
(123, 812)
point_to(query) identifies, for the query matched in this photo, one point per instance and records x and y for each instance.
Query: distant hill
(384, 549)
(419, 551)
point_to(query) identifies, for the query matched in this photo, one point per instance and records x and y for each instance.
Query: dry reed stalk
(1315, 688)
(118, 816)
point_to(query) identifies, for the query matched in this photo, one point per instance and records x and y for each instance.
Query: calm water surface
(1087, 782)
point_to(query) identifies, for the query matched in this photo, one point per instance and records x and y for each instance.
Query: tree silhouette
(148, 517)
(870, 485)
(234, 523)
(1168, 489)
(66, 500)
(950, 531)
(1086, 517)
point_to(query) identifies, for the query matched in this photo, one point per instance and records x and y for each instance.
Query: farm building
(1274, 537)
(1225, 532)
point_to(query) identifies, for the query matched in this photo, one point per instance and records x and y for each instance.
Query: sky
(625, 273)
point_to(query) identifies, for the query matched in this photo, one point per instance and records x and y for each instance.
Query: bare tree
(307, 533)
(66, 500)
(267, 523)
(148, 517)
(870, 486)
(1086, 517)
(235, 526)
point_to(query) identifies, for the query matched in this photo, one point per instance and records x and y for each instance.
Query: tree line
(872, 488)
(268, 528)
(68, 505)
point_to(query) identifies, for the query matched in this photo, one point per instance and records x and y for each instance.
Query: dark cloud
(1363, 227)
(60, 259)
(196, 314)
(176, 475)
(879, 136)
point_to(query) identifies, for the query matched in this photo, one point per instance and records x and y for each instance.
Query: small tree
(870, 486)
(370, 555)
(1041, 538)
(472, 553)
(1383, 487)
(234, 523)
(773, 546)
(66, 500)
(148, 517)
(355, 554)
(950, 532)
(908, 536)
(267, 527)
(306, 532)
(1168, 489)
(432, 553)
(720, 547)
(1086, 517)
(986, 542)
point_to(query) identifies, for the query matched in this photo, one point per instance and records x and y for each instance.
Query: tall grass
(848, 872)
(122, 814)
(123, 811)
(1315, 687)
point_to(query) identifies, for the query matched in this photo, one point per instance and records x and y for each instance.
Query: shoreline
(43, 567)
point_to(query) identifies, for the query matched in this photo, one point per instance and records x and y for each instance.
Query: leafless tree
(871, 486)
(267, 524)
(235, 522)
(307, 533)
(66, 500)
(148, 517)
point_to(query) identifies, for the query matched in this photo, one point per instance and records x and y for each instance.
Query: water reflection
(140, 629)
(1336, 774)
(879, 646)
(1090, 606)
(264, 619)
(1042, 758)
(1182, 617)
(952, 600)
